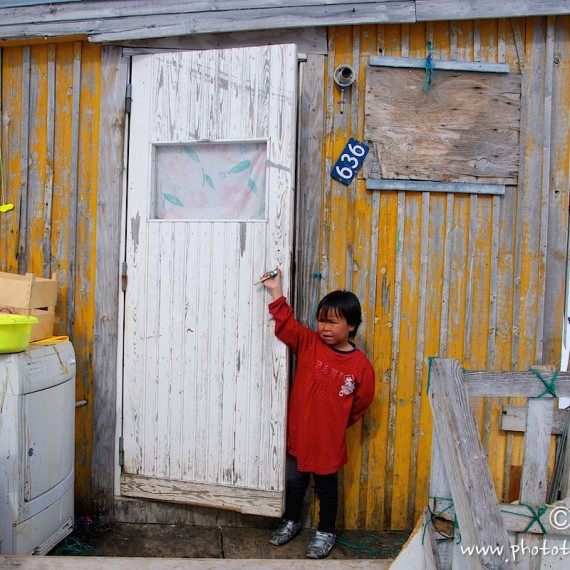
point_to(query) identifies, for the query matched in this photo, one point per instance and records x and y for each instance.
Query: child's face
(333, 330)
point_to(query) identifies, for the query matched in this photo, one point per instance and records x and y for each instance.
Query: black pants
(326, 489)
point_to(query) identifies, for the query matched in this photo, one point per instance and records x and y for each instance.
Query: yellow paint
(41, 41)
(38, 143)
(86, 260)
(50, 183)
(11, 108)
(388, 478)
(385, 484)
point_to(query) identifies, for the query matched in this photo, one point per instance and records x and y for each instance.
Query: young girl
(333, 387)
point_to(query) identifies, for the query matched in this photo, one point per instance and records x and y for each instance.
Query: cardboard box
(30, 295)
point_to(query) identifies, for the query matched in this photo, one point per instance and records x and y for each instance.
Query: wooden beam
(122, 563)
(448, 65)
(434, 10)
(241, 499)
(534, 480)
(119, 11)
(310, 180)
(518, 517)
(110, 20)
(476, 506)
(308, 40)
(114, 70)
(440, 505)
(513, 384)
(513, 418)
(430, 186)
(117, 24)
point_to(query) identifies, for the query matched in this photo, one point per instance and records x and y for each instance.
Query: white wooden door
(209, 209)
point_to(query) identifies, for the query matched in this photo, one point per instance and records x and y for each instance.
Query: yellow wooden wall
(481, 279)
(477, 278)
(50, 126)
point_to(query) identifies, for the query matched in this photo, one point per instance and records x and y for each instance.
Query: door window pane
(210, 181)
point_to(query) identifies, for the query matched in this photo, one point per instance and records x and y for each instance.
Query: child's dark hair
(344, 303)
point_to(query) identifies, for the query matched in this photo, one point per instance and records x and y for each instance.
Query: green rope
(438, 514)
(372, 544)
(429, 67)
(550, 387)
(71, 546)
(442, 499)
(430, 358)
(536, 514)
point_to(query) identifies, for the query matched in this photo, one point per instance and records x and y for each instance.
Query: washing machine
(37, 445)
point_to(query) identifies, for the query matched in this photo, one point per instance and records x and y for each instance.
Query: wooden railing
(465, 526)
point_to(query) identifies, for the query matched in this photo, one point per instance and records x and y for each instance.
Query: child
(333, 387)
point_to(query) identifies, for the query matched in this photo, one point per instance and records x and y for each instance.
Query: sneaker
(286, 531)
(321, 545)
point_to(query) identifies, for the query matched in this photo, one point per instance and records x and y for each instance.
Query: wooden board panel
(248, 501)
(469, 119)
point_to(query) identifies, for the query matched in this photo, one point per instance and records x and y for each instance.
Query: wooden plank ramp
(108, 563)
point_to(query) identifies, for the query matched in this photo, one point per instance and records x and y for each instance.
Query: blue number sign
(350, 161)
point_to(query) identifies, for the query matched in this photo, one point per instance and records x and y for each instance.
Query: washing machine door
(47, 419)
(49, 438)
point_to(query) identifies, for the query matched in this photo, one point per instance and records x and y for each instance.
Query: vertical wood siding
(478, 278)
(50, 123)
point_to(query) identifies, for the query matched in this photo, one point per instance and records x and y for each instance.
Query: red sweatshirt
(331, 391)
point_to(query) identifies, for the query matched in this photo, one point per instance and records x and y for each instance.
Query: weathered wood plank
(249, 501)
(432, 10)
(470, 118)
(76, 133)
(108, 234)
(111, 9)
(24, 119)
(420, 344)
(518, 517)
(545, 188)
(440, 504)
(534, 478)
(89, 16)
(514, 384)
(558, 197)
(308, 40)
(214, 21)
(103, 562)
(310, 179)
(467, 472)
(513, 418)
(429, 186)
(395, 363)
(438, 64)
(49, 162)
(447, 254)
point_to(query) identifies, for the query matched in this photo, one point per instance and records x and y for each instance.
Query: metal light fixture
(344, 77)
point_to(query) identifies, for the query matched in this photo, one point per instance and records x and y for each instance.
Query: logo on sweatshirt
(348, 387)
